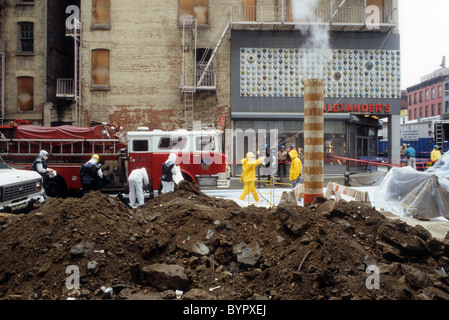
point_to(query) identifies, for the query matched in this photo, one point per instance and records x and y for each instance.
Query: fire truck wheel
(56, 187)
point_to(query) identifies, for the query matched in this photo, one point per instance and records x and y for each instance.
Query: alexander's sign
(374, 108)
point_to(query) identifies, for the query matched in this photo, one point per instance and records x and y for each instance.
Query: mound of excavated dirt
(213, 249)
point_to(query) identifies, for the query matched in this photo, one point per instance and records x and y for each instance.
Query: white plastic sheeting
(409, 193)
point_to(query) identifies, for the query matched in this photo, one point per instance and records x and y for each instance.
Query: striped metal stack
(313, 139)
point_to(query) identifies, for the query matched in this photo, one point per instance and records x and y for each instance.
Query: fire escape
(199, 76)
(70, 88)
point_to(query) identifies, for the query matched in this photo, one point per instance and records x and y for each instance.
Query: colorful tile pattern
(349, 73)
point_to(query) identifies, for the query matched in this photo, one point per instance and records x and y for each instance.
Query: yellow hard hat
(96, 156)
(250, 155)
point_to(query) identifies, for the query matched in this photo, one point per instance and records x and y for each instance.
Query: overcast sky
(424, 30)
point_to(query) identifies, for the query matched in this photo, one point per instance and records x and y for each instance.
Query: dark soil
(293, 253)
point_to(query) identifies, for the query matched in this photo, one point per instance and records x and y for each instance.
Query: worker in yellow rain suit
(295, 168)
(249, 175)
(435, 155)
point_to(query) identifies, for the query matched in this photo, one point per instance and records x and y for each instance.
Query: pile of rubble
(202, 247)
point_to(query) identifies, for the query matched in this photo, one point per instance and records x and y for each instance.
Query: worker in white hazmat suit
(137, 180)
(171, 174)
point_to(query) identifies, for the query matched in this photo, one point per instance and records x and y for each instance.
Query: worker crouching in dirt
(137, 180)
(91, 174)
(249, 175)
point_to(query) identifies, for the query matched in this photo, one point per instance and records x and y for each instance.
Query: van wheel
(56, 187)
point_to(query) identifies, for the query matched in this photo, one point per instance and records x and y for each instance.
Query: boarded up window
(100, 67)
(249, 10)
(101, 12)
(26, 37)
(25, 93)
(194, 9)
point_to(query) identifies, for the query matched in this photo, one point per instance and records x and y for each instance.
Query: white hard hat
(43, 153)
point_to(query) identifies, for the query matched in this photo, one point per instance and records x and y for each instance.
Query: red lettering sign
(358, 108)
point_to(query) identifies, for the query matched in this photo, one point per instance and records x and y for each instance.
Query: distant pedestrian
(282, 163)
(410, 153)
(402, 151)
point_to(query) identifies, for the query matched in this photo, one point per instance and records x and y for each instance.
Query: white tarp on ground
(409, 193)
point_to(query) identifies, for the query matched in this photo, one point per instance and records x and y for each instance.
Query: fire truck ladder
(60, 147)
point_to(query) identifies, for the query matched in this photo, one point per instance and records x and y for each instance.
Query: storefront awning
(284, 116)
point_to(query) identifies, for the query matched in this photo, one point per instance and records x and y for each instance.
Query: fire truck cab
(199, 154)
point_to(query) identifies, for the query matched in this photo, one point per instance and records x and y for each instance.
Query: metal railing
(65, 88)
(209, 78)
(279, 14)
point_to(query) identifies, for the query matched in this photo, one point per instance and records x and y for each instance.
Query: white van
(19, 189)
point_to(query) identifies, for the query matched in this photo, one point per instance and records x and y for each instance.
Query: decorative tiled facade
(278, 72)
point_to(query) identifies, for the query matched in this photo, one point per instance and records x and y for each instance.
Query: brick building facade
(165, 64)
(430, 97)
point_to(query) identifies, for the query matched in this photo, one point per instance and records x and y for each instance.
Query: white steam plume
(304, 12)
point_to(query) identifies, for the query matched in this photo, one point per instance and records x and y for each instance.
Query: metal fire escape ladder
(188, 90)
(198, 75)
(77, 69)
(2, 66)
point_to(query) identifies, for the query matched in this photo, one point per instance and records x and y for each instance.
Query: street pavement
(365, 182)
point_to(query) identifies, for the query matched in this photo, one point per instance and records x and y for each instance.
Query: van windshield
(3, 164)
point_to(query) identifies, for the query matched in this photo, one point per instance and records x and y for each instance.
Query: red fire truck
(200, 154)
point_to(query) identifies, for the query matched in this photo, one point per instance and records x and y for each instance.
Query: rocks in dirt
(187, 241)
(247, 254)
(165, 277)
(195, 248)
(415, 278)
(82, 249)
